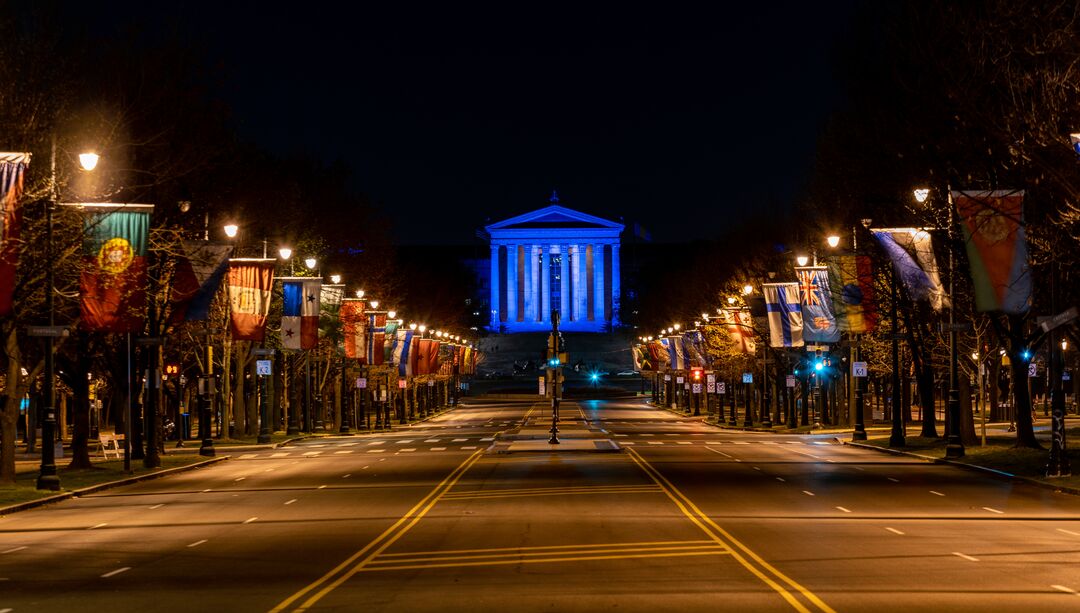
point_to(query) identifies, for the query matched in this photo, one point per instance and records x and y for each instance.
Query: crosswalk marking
(311, 453)
(376, 450)
(438, 448)
(343, 451)
(406, 451)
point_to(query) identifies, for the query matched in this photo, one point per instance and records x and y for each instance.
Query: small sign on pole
(697, 388)
(711, 387)
(401, 383)
(667, 377)
(361, 383)
(263, 368)
(858, 369)
(1033, 370)
(748, 377)
(543, 385)
(790, 381)
(721, 387)
(679, 380)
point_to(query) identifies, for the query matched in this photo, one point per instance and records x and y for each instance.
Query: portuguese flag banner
(113, 280)
(993, 224)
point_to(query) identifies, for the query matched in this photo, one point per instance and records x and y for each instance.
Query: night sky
(676, 119)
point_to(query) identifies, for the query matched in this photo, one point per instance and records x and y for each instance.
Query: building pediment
(554, 217)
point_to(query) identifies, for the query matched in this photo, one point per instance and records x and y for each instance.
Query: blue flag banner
(819, 320)
(912, 255)
(401, 351)
(784, 310)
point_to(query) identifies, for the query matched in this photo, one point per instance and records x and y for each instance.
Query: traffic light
(696, 375)
(172, 369)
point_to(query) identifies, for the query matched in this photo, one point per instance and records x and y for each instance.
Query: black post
(205, 392)
(766, 418)
(954, 446)
(48, 479)
(897, 437)
(1058, 466)
(293, 427)
(554, 440)
(748, 417)
(264, 407)
(860, 422)
(309, 419)
(733, 420)
(346, 400)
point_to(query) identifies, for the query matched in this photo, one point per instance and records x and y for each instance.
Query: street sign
(53, 331)
(858, 369)
(697, 388)
(1065, 376)
(748, 377)
(263, 368)
(790, 381)
(710, 378)
(679, 380)
(711, 387)
(1033, 370)
(947, 327)
(431, 383)
(150, 340)
(813, 348)
(401, 384)
(262, 351)
(361, 383)
(1049, 323)
(543, 385)
(667, 377)
(721, 387)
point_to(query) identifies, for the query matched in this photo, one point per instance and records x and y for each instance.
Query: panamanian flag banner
(12, 170)
(912, 253)
(354, 329)
(113, 281)
(819, 321)
(993, 225)
(784, 309)
(300, 312)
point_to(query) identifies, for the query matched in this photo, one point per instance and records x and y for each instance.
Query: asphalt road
(686, 517)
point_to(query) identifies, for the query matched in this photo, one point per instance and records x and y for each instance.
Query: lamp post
(47, 478)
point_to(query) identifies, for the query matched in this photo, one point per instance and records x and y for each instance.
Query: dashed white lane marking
(310, 453)
(844, 509)
(720, 452)
(250, 519)
(405, 451)
(684, 442)
(373, 443)
(936, 493)
(756, 468)
(993, 510)
(314, 446)
(741, 443)
(895, 531)
(346, 476)
(489, 438)
(5, 610)
(343, 451)
(965, 556)
(239, 479)
(438, 448)
(820, 443)
(97, 526)
(115, 572)
(656, 442)
(432, 440)
(290, 501)
(14, 549)
(459, 440)
(809, 493)
(280, 454)
(781, 479)
(269, 470)
(348, 444)
(1059, 530)
(206, 490)
(248, 456)
(405, 442)
(156, 506)
(1060, 588)
(376, 450)
(197, 543)
(628, 443)
(470, 447)
(859, 468)
(893, 480)
(321, 487)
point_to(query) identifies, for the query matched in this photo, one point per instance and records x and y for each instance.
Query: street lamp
(391, 314)
(285, 253)
(335, 279)
(412, 327)
(231, 229)
(747, 289)
(360, 293)
(374, 304)
(310, 262)
(833, 241)
(89, 160)
(730, 300)
(677, 326)
(802, 260)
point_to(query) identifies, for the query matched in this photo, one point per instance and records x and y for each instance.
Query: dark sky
(675, 118)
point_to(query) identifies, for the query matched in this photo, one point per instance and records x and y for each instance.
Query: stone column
(511, 283)
(581, 293)
(545, 283)
(495, 286)
(598, 280)
(616, 296)
(564, 272)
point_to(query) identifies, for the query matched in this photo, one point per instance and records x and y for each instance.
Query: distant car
(626, 373)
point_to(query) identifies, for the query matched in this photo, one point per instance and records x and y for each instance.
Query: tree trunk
(252, 422)
(993, 378)
(927, 400)
(239, 410)
(967, 417)
(10, 416)
(80, 411)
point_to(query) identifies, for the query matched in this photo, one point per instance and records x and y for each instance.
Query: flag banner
(694, 346)
(658, 350)
(401, 351)
(250, 283)
(434, 357)
(993, 225)
(300, 312)
(376, 339)
(113, 281)
(740, 329)
(851, 280)
(819, 322)
(642, 360)
(676, 353)
(330, 297)
(413, 355)
(467, 365)
(446, 358)
(354, 329)
(912, 253)
(12, 174)
(423, 358)
(198, 275)
(784, 309)
(390, 344)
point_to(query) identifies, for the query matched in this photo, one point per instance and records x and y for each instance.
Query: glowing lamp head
(747, 289)
(594, 376)
(818, 366)
(677, 326)
(921, 194)
(310, 263)
(231, 230)
(802, 260)
(731, 299)
(412, 326)
(285, 253)
(335, 279)
(392, 314)
(833, 241)
(89, 160)
(374, 304)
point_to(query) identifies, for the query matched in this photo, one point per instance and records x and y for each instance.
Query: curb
(999, 474)
(30, 504)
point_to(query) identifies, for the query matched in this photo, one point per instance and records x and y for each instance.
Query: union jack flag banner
(819, 320)
(12, 168)
(785, 314)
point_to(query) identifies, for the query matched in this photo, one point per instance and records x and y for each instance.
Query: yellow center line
(722, 537)
(654, 490)
(525, 490)
(549, 547)
(714, 551)
(518, 554)
(384, 540)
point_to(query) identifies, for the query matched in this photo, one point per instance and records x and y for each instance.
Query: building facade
(554, 258)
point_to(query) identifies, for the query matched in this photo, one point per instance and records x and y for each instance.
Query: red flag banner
(250, 282)
(12, 170)
(354, 329)
(113, 281)
(993, 224)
